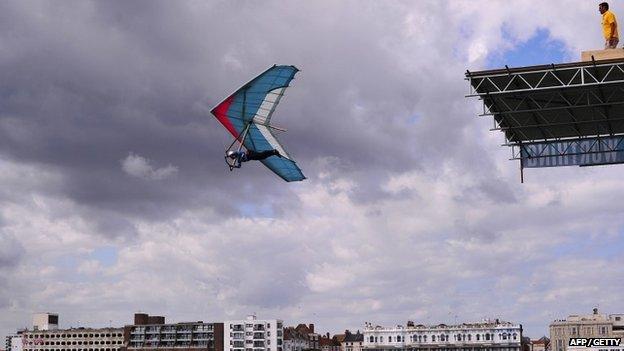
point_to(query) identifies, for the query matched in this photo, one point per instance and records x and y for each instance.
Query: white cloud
(140, 167)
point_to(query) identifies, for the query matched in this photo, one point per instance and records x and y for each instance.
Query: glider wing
(247, 113)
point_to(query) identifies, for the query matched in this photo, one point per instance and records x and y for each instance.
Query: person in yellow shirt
(609, 26)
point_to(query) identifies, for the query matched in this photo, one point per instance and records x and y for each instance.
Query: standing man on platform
(609, 26)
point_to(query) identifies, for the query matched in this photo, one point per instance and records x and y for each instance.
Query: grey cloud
(11, 251)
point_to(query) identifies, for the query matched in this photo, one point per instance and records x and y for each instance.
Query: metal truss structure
(564, 111)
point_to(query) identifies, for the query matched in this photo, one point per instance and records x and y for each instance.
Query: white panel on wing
(268, 105)
(271, 139)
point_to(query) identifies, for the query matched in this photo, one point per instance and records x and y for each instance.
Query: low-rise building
(295, 340)
(313, 338)
(594, 325)
(485, 336)
(541, 344)
(45, 335)
(328, 343)
(151, 333)
(352, 342)
(74, 339)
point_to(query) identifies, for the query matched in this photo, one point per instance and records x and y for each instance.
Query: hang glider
(247, 113)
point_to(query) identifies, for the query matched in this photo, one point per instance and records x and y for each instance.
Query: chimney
(311, 327)
(328, 335)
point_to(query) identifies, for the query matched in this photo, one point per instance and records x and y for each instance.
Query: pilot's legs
(261, 155)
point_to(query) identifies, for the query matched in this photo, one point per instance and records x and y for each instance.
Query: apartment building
(151, 333)
(253, 334)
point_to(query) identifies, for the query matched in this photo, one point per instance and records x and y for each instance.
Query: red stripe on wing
(221, 113)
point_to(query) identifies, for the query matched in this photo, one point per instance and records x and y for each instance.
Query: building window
(389, 339)
(432, 338)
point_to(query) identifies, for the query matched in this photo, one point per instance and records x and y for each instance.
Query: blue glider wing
(261, 138)
(252, 106)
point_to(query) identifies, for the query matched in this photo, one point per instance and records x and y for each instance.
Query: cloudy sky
(114, 197)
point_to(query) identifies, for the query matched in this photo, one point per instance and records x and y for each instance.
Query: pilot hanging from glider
(247, 113)
(250, 155)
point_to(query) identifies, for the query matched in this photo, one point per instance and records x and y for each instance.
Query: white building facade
(486, 336)
(13, 343)
(78, 339)
(253, 334)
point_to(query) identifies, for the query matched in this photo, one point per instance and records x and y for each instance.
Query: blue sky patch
(253, 210)
(106, 255)
(540, 49)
